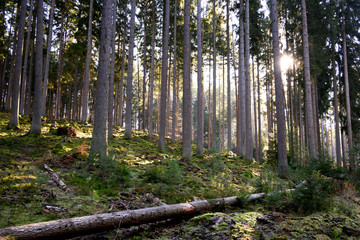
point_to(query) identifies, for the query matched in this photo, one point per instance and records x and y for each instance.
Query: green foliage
(269, 182)
(170, 174)
(315, 195)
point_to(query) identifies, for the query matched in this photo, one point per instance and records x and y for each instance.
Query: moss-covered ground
(137, 175)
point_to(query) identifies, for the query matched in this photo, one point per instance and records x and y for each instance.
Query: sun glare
(286, 62)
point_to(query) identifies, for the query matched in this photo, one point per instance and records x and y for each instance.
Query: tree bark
(112, 75)
(129, 87)
(47, 59)
(280, 114)
(75, 91)
(255, 113)
(214, 133)
(308, 98)
(60, 60)
(14, 115)
(187, 86)
(86, 81)
(164, 73)
(259, 152)
(36, 121)
(336, 108)
(241, 148)
(26, 57)
(99, 136)
(174, 117)
(200, 94)
(151, 90)
(229, 145)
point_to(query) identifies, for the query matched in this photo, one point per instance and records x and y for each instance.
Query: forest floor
(136, 175)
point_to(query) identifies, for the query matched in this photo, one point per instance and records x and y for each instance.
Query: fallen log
(72, 227)
(55, 177)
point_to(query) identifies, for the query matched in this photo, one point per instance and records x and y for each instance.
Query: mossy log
(100, 222)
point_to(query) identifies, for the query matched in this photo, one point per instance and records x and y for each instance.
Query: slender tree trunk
(242, 96)
(209, 107)
(214, 135)
(187, 86)
(200, 94)
(2, 79)
(280, 114)
(168, 100)
(268, 108)
(86, 81)
(47, 59)
(14, 116)
(26, 57)
(346, 77)
(129, 88)
(336, 108)
(27, 110)
(174, 117)
(308, 97)
(60, 60)
(36, 120)
(144, 80)
(249, 136)
(223, 108)
(259, 152)
(255, 117)
(151, 87)
(229, 145)
(164, 69)
(99, 137)
(75, 92)
(121, 87)
(112, 75)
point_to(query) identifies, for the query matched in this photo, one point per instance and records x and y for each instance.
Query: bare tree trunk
(112, 75)
(209, 107)
(164, 69)
(26, 57)
(308, 97)
(47, 59)
(144, 80)
(86, 81)
(75, 92)
(36, 120)
(187, 86)
(14, 116)
(99, 138)
(200, 94)
(27, 110)
(255, 117)
(280, 114)
(129, 88)
(151, 101)
(336, 108)
(242, 91)
(60, 60)
(259, 152)
(174, 117)
(229, 145)
(214, 135)
(249, 136)
(346, 77)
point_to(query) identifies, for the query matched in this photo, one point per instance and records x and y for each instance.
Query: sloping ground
(137, 175)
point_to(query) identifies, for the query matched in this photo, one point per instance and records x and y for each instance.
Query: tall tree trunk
(209, 107)
(229, 145)
(164, 69)
(112, 75)
(151, 87)
(26, 57)
(214, 135)
(200, 94)
(308, 98)
(27, 110)
(2, 79)
(47, 59)
(75, 92)
(144, 80)
(99, 137)
(336, 108)
(223, 108)
(60, 60)
(14, 116)
(187, 85)
(86, 81)
(249, 136)
(174, 117)
(346, 77)
(255, 113)
(259, 152)
(36, 120)
(280, 114)
(129, 88)
(241, 148)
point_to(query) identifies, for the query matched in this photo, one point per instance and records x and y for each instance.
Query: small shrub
(315, 195)
(170, 174)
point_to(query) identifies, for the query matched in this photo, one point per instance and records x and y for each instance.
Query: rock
(350, 231)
